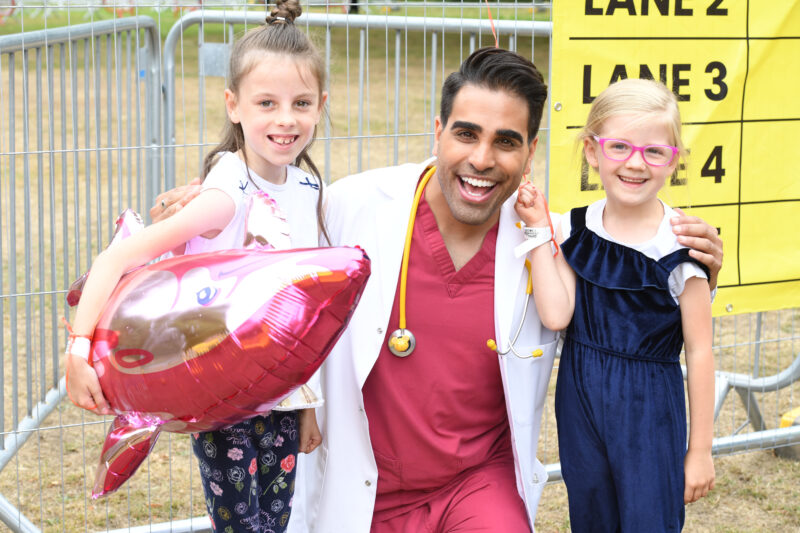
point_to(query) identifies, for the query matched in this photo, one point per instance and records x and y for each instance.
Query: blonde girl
(630, 296)
(274, 101)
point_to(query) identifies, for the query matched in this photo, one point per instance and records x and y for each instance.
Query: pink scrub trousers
(481, 499)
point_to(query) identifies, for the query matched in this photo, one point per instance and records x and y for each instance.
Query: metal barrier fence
(79, 135)
(93, 100)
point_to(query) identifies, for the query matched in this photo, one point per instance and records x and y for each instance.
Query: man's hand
(170, 202)
(704, 241)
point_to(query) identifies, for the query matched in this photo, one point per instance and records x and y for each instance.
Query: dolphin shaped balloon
(200, 342)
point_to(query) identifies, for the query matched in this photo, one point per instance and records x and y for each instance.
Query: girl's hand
(83, 387)
(698, 469)
(530, 205)
(310, 435)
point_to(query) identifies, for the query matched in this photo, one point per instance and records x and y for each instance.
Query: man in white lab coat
(445, 438)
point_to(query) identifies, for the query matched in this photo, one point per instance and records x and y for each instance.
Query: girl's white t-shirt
(663, 243)
(297, 198)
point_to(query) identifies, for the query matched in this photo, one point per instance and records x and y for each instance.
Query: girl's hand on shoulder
(310, 435)
(698, 475)
(83, 387)
(530, 205)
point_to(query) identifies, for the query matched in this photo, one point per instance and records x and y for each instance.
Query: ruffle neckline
(615, 266)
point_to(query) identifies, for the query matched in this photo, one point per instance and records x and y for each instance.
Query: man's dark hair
(497, 69)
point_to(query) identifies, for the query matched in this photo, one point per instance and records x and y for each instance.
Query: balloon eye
(133, 357)
(206, 295)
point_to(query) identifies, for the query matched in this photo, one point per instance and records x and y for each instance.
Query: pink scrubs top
(440, 411)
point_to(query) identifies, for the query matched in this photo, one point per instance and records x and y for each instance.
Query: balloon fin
(266, 226)
(128, 223)
(129, 441)
(75, 290)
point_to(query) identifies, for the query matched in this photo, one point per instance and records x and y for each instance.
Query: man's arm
(704, 241)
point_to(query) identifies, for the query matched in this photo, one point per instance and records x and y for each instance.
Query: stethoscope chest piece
(402, 342)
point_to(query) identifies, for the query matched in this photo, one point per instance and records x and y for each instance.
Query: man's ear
(231, 107)
(437, 133)
(532, 149)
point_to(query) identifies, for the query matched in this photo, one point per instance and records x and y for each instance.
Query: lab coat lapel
(391, 222)
(507, 277)
(388, 233)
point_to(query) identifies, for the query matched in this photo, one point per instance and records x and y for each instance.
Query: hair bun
(285, 12)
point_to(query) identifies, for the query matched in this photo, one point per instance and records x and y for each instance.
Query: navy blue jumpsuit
(619, 397)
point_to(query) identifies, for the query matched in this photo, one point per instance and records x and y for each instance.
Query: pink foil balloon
(200, 342)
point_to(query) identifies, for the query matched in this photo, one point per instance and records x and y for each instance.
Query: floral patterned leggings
(248, 473)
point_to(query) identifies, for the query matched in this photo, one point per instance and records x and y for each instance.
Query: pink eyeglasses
(657, 155)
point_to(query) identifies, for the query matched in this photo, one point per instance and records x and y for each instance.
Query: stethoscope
(492, 344)
(402, 341)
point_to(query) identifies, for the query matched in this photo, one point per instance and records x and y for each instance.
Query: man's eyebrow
(463, 124)
(511, 134)
(471, 126)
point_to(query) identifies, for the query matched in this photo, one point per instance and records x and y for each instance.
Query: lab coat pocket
(526, 381)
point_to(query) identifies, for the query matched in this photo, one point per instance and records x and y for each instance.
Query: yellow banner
(734, 67)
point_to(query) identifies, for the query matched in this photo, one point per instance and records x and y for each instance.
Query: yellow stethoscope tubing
(407, 247)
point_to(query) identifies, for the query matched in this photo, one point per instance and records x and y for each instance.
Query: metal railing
(84, 133)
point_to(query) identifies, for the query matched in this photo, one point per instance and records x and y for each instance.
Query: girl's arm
(695, 303)
(208, 214)
(553, 279)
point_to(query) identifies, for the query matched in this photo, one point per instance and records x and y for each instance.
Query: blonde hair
(648, 99)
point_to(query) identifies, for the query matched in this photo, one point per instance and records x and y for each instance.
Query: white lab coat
(336, 484)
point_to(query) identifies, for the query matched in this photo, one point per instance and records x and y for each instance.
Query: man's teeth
(476, 182)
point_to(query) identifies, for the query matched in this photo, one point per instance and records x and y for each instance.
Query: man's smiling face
(482, 152)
